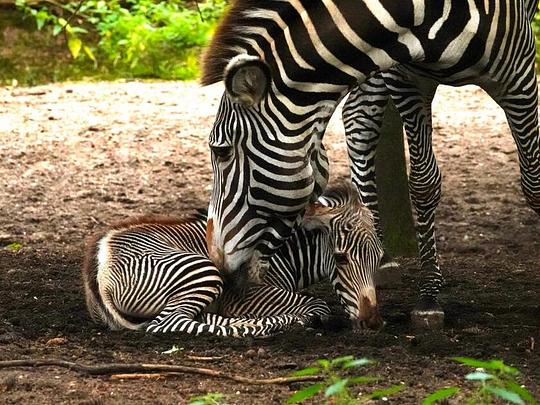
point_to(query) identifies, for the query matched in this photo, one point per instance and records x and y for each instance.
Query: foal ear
(247, 79)
(317, 216)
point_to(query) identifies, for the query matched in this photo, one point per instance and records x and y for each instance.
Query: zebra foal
(154, 274)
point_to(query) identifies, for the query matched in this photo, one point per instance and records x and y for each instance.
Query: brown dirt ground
(76, 156)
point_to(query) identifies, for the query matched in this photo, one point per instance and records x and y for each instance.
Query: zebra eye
(348, 227)
(221, 152)
(342, 258)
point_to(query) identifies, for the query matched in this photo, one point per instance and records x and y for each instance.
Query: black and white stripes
(287, 63)
(154, 273)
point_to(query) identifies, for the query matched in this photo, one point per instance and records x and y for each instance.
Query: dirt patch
(74, 157)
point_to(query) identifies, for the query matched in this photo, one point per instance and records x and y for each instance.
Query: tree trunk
(392, 188)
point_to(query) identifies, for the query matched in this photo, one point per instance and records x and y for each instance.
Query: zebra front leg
(363, 114)
(275, 303)
(413, 97)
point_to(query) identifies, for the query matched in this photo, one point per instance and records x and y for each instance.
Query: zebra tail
(98, 302)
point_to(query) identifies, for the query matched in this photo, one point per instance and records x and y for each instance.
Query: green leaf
(305, 393)
(306, 371)
(488, 365)
(340, 360)
(357, 363)
(336, 388)
(474, 363)
(90, 54)
(74, 45)
(212, 398)
(478, 376)
(41, 18)
(323, 363)
(79, 30)
(57, 29)
(522, 392)
(15, 246)
(499, 365)
(377, 394)
(363, 379)
(440, 394)
(505, 394)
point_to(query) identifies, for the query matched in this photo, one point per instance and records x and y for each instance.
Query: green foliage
(494, 381)
(536, 30)
(336, 385)
(440, 394)
(135, 38)
(212, 398)
(15, 246)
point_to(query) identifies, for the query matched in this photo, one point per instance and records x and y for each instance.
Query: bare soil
(77, 156)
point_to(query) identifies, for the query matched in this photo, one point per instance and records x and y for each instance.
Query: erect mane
(343, 191)
(222, 48)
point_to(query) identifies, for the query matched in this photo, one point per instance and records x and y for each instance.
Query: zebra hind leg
(173, 319)
(521, 108)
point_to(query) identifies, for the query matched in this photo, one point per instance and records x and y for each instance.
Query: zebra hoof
(427, 316)
(389, 273)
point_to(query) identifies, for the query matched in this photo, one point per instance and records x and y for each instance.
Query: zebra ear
(247, 79)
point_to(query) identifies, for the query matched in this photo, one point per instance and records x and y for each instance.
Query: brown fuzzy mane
(220, 51)
(153, 219)
(345, 189)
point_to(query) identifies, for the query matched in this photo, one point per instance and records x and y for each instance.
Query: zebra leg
(362, 115)
(362, 118)
(520, 105)
(268, 301)
(413, 97)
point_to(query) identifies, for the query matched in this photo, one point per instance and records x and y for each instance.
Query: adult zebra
(287, 63)
(412, 92)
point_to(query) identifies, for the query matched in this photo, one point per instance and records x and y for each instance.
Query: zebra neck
(306, 258)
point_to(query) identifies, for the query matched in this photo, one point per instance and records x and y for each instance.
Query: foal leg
(272, 302)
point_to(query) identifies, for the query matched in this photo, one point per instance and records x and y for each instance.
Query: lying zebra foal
(154, 273)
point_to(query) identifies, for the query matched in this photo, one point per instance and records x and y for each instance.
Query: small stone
(57, 341)
(8, 337)
(427, 320)
(251, 353)
(262, 353)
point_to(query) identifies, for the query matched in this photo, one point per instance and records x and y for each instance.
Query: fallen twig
(204, 358)
(145, 376)
(141, 368)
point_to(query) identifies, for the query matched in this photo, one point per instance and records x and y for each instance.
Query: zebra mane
(345, 193)
(225, 41)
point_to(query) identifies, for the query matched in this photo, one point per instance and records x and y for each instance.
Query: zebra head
(263, 179)
(357, 252)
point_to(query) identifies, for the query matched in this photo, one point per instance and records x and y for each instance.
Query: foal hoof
(388, 275)
(427, 316)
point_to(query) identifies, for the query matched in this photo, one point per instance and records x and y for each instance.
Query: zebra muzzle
(370, 317)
